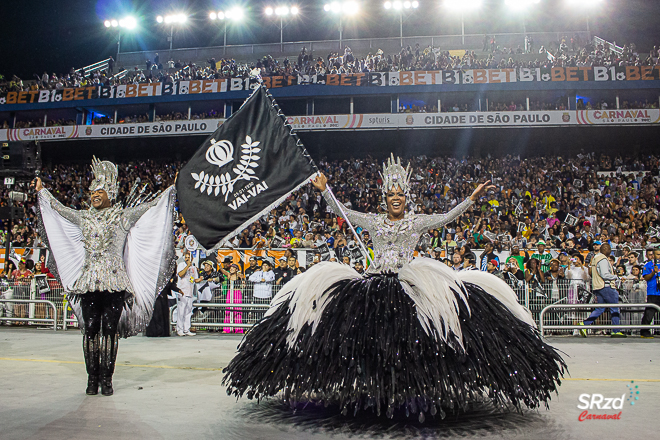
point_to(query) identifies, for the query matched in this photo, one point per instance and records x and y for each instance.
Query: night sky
(52, 35)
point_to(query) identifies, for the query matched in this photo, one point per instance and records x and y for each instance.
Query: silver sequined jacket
(394, 242)
(104, 236)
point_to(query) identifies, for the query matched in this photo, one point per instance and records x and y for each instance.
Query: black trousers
(649, 313)
(101, 313)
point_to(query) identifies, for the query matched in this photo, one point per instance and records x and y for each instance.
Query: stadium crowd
(564, 202)
(567, 52)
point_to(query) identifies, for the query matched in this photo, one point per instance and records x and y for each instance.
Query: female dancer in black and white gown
(409, 334)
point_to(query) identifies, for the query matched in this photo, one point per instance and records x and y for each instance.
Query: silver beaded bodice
(395, 241)
(104, 236)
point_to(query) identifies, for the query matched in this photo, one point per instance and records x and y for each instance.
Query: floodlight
(520, 4)
(221, 15)
(407, 5)
(350, 8)
(388, 5)
(130, 23)
(415, 4)
(107, 23)
(114, 23)
(463, 5)
(584, 3)
(294, 10)
(397, 5)
(269, 11)
(235, 14)
(213, 15)
(159, 19)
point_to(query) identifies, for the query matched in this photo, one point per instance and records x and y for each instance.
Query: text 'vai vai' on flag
(249, 165)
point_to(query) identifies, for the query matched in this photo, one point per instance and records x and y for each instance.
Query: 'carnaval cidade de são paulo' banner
(349, 122)
(476, 77)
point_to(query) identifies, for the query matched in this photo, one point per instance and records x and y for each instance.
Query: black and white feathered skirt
(424, 340)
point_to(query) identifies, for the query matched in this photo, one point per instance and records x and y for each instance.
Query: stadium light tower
(341, 9)
(400, 7)
(587, 6)
(172, 20)
(235, 14)
(128, 23)
(521, 7)
(282, 12)
(463, 6)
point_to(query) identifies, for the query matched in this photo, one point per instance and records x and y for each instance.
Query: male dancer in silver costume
(112, 262)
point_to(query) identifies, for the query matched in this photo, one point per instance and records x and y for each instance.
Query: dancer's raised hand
(320, 181)
(481, 189)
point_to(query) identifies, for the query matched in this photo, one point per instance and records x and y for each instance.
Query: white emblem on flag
(220, 154)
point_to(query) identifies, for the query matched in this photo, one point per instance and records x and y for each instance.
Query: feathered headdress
(395, 175)
(105, 177)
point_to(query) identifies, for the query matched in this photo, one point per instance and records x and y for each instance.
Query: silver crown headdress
(395, 175)
(105, 177)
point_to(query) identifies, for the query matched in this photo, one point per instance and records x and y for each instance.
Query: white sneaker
(189, 333)
(180, 333)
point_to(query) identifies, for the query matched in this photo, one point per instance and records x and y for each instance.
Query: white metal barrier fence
(26, 302)
(233, 306)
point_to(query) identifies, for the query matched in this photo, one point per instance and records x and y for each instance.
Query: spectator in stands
(514, 269)
(533, 273)
(555, 272)
(457, 261)
(263, 281)
(543, 257)
(233, 314)
(187, 274)
(493, 268)
(252, 268)
(469, 262)
(488, 256)
(602, 279)
(289, 272)
(210, 279)
(517, 257)
(650, 275)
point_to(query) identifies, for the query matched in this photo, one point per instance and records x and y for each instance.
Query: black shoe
(92, 386)
(106, 387)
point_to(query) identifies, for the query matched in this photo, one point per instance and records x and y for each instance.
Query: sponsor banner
(367, 79)
(618, 117)
(344, 122)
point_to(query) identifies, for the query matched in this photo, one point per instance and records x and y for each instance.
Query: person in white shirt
(263, 281)
(186, 273)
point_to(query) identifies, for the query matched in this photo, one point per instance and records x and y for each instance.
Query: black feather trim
(370, 351)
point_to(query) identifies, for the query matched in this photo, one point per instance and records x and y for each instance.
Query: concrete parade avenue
(170, 388)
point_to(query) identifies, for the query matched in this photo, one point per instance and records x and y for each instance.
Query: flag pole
(343, 214)
(255, 74)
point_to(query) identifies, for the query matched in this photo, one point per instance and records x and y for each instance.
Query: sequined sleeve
(424, 222)
(361, 219)
(70, 214)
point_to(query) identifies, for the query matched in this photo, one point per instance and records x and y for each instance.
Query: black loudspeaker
(21, 156)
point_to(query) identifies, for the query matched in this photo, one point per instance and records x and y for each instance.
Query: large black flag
(249, 165)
